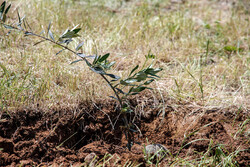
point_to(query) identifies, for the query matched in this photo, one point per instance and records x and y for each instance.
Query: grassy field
(202, 47)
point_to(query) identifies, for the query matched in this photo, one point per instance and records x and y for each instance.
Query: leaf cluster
(4, 11)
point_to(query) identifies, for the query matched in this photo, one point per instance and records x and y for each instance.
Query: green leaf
(113, 76)
(49, 26)
(69, 34)
(85, 56)
(96, 59)
(76, 30)
(81, 55)
(19, 19)
(104, 57)
(133, 70)
(2, 7)
(111, 64)
(67, 30)
(138, 89)
(152, 71)
(114, 98)
(98, 70)
(7, 9)
(74, 27)
(148, 82)
(51, 35)
(73, 62)
(140, 76)
(79, 46)
(67, 41)
(120, 91)
(28, 33)
(87, 62)
(60, 52)
(128, 81)
(8, 27)
(42, 32)
(4, 17)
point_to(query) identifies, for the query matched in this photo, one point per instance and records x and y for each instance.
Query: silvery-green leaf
(67, 30)
(41, 32)
(28, 33)
(81, 55)
(67, 41)
(114, 76)
(127, 82)
(76, 61)
(111, 64)
(49, 26)
(79, 46)
(60, 52)
(113, 97)
(20, 27)
(51, 35)
(91, 56)
(8, 27)
(8, 32)
(152, 71)
(85, 56)
(148, 82)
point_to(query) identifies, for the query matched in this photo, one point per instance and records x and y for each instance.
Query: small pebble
(156, 149)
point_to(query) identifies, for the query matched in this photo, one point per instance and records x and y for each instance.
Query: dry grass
(177, 33)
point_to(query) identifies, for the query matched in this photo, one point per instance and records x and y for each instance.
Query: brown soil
(66, 137)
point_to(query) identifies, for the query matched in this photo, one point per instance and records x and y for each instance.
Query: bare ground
(66, 137)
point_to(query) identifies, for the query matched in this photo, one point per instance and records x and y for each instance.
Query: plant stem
(66, 48)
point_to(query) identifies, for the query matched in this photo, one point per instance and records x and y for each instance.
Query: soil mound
(66, 137)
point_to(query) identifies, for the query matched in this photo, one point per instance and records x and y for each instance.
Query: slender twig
(112, 87)
(66, 48)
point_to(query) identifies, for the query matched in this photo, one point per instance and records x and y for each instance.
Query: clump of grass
(176, 33)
